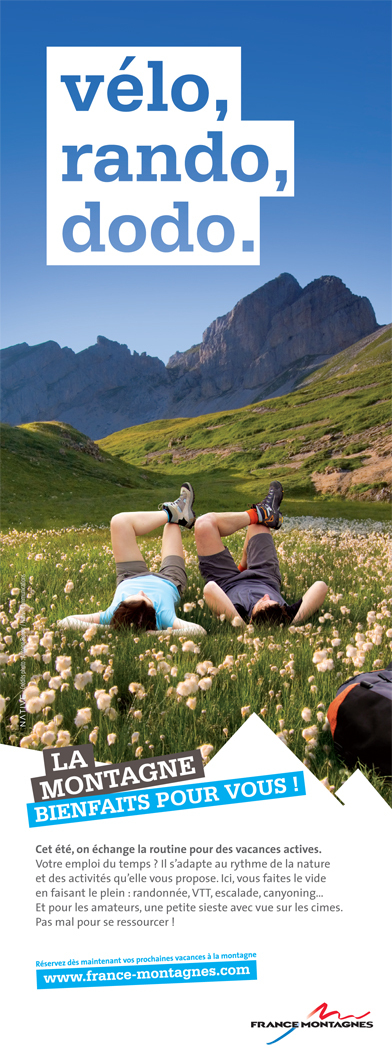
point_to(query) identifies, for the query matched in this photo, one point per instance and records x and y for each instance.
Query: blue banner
(122, 976)
(154, 801)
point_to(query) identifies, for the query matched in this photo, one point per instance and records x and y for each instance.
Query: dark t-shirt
(245, 593)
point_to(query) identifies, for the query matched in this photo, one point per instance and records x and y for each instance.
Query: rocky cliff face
(262, 348)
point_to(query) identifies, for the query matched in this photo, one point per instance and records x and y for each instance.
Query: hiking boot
(181, 511)
(268, 509)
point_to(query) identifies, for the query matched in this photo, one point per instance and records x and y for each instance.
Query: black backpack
(360, 720)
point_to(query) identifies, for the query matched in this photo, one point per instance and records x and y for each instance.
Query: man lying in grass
(251, 591)
(144, 600)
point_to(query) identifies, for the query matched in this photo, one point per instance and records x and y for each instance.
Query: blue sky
(324, 63)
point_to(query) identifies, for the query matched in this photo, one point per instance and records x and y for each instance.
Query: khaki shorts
(172, 569)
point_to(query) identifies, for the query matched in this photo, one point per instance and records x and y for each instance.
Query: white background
(303, 960)
(102, 125)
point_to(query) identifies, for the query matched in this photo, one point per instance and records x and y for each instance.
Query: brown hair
(135, 613)
(274, 614)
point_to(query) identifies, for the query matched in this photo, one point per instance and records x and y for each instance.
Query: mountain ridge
(263, 347)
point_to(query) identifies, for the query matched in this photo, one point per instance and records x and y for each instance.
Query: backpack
(360, 720)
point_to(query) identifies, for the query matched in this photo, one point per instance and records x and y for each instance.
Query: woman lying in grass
(251, 591)
(144, 600)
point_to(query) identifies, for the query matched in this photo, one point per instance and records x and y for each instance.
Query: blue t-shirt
(163, 594)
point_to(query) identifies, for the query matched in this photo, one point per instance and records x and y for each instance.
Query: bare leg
(219, 603)
(311, 601)
(126, 525)
(255, 528)
(172, 541)
(211, 528)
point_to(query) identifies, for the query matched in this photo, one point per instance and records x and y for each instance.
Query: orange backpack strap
(332, 713)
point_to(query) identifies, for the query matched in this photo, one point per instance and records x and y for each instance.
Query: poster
(255, 913)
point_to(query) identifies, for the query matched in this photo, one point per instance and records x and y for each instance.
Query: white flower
(205, 683)
(54, 683)
(63, 663)
(186, 688)
(189, 646)
(325, 782)
(93, 736)
(63, 738)
(206, 750)
(191, 702)
(135, 737)
(38, 729)
(99, 650)
(237, 621)
(29, 692)
(26, 741)
(103, 701)
(48, 737)
(97, 666)
(245, 710)
(320, 655)
(89, 633)
(15, 591)
(111, 738)
(311, 733)
(163, 667)
(3, 705)
(283, 736)
(138, 689)
(189, 607)
(69, 586)
(202, 667)
(83, 679)
(306, 714)
(83, 716)
(47, 697)
(336, 641)
(47, 640)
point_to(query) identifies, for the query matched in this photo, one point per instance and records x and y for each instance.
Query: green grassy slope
(339, 419)
(52, 475)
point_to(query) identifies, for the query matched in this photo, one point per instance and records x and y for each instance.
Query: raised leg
(172, 541)
(124, 528)
(211, 528)
(255, 528)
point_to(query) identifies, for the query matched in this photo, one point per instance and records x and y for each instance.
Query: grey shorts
(172, 569)
(263, 564)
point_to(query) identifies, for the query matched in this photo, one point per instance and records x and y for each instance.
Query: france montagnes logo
(325, 1021)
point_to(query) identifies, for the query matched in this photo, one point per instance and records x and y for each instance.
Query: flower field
(138, 696)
